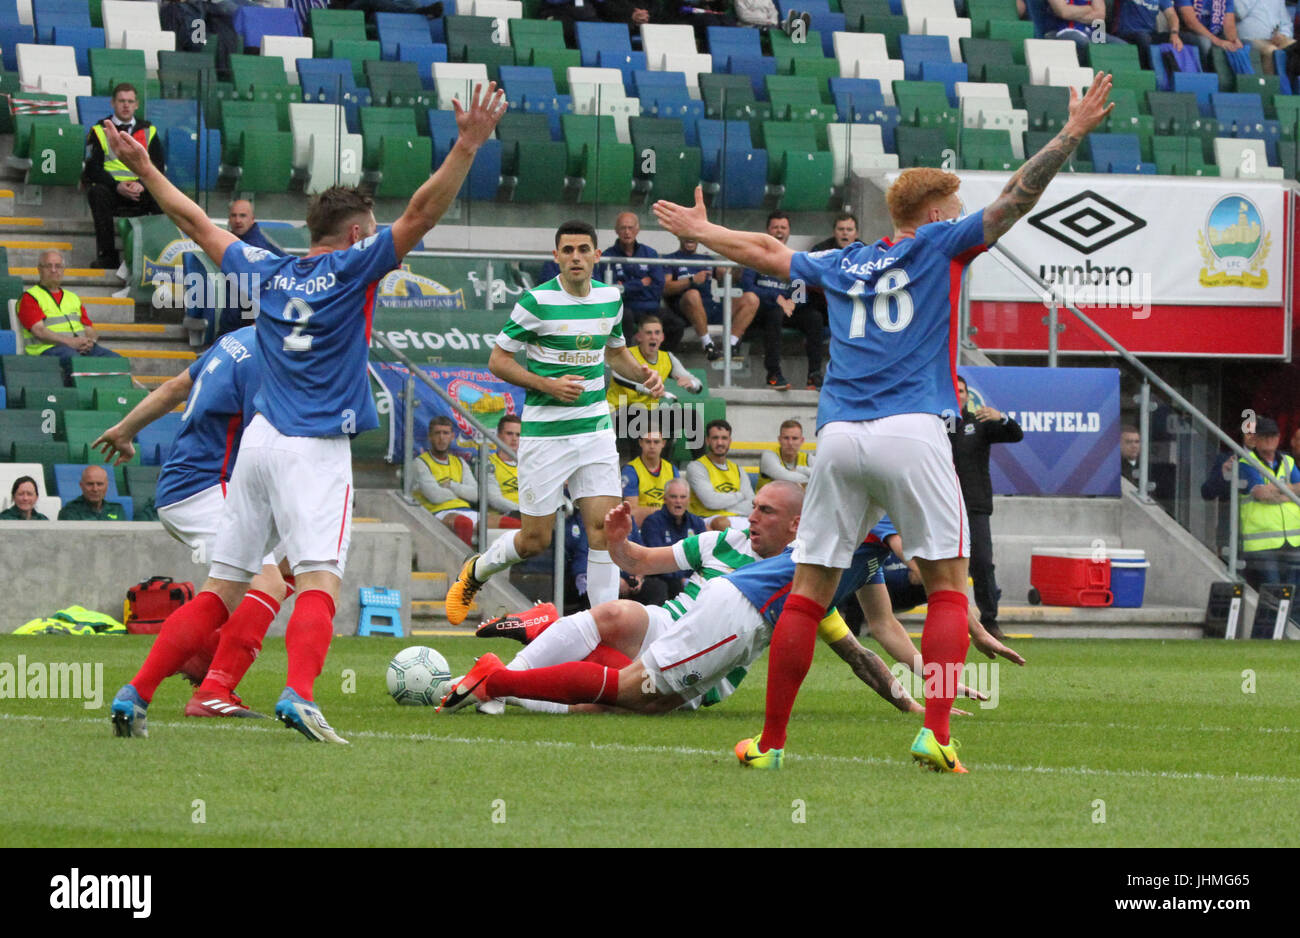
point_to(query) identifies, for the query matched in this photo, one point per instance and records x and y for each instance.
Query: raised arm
(628, 555)
(433, 198)
(1026, 186)
(761, 252)
(193, 222)
(116, 440)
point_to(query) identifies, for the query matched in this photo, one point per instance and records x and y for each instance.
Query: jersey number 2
(892, 285)
(296, 341)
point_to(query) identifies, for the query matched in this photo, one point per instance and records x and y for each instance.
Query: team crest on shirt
(585, 342)
(691, 678)
(253, 255)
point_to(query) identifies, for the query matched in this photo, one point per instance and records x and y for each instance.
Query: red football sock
(307, 640)
(289, 586)
(793, 641)
(609, 657)
(944, 642)
(241, 640)
(575, 682)
(181, 636)
(464, 529)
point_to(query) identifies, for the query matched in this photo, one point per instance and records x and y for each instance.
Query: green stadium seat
(795, 161)
(676, 167)
(920, 146)
(855, 10)
(465, 31)
(380, 122)
(1078, 162)
(240, 116)
(1287, 110)
(797, 97)
(978, 54)
(1015, 77)
(1288, 154)
(328, 25)
(23, 387)
(1177, 113)
(1113, 58)
(732, 97)
(1138, 82)
(397, 85)
(25, 125)
(184, 74)
(984, 12)
(1015, 32)
(925, 104)
(596, 156)
(1048, 107)
(108, 67)
(86, 386)
(526, 141)
(785, 50)
(141, 481)
(251, 72)
(47, 453)
(1266, 86)
(987, 149)
(266, 159)
(491, 55)
(1181, 156)
(891, 27)
(527, 35)
(822, 69)
(52, 402)
(404, 164)
(15, 367)
(559, 61)
(118, 399)
(358, 52)
(57, 151)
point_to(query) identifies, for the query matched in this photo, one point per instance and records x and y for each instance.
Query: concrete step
(26, 251)
(105, 309)
(424, 610)
(166, 362)
(429, 585)
(151, 332)
(74, 278)
(1025, 621)
(47, 227)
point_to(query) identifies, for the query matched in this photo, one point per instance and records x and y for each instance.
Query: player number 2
(892, 285)
(296, 341)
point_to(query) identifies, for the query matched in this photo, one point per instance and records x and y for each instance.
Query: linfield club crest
(1234, 245)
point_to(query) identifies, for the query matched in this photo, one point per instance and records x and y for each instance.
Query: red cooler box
(1070, 577)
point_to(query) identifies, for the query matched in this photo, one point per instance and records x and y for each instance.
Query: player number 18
(892, 285)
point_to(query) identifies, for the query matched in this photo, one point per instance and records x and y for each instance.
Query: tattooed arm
(873, 672)
(1026, 187)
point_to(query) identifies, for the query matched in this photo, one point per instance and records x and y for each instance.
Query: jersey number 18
(892, 286)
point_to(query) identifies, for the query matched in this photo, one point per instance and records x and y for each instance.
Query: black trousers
(770, 320)
(105, 205)
(987, 593)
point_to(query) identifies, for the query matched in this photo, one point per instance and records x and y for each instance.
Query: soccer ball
(418, 676)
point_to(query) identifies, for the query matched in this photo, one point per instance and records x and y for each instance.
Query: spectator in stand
(445, 484)
(636, 13)
(1209, 23)
(1265, 25)
(1130, 448)
(791, 464)
(112, 190)
(90, 504)
(642, 285)
(1073, 20)
(843, 233)
(503, 479)
(688, 292)
(1147, 23)
(720, 489)
(1294, 450)
(971, 435)
(623, 392)
(701, 14)
(757, 13)
(243, 225)
(24, 496)
(646, 478)
(570, 12)
(1161, 476)
(777, 308)
(1270, 521)
(670, 524)
(1217, 488)
(54, 320)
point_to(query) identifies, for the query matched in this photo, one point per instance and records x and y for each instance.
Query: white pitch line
(690, 751)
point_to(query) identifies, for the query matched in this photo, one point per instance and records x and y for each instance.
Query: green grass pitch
(1094, 743)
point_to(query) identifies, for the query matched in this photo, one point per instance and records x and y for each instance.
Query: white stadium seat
(289, 48)
(150, 42)
(69, 85)
(659, 41)
(886, 72)
(1063, 76)
(457, 80)
(35, 61)
(917, 11)
(121, 15)
(690, 64)
(1240, 158)
(500, 11)
(954, 29)
(857, 147)
(1042, 54)
(590, 86)
(852, 48)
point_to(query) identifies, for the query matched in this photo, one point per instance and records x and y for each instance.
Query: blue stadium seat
(1242, 115)
(855, 96)
(729, 158)
(918, 49)
(4, 397)
(47, 14)
(82, 39)
(1279, 68)
(531, 88)
(646, 82)
(757, 68)
(11, 34)
(397, 28)
(1187, 60)
(423, 56)
(593, 38)
(1200, 84)
(94, 108)
(947, 72)
(8, 11)
(157, 439)
(1118, 153)
(252, 23)
(166, 113)
(888, 118)
(438, 27)
(485, 174)
(726, 41)
(330, 81)
(8, 343)
(827, 23)
(193, 157)
(626, 62)
(675, 103)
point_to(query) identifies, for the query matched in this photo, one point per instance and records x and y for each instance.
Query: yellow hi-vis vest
(1265, 526)
(112, 165)
(650, 487)
(507, 477)
(453, 470)
(722, 480)
(800, 459)
(63, 317)
(619, 396)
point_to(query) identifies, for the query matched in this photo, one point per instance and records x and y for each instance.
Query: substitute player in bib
(572, 326)
(293, 480)
(218, 391)
(882, 444)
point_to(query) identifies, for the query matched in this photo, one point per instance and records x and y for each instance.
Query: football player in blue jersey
(293, 481)
(882, 445)
(218, 391)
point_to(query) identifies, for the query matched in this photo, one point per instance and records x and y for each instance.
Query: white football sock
(602, 578)
(500, 554)
(706, 340)
(735, 340)
(570, 639)
(537, 706)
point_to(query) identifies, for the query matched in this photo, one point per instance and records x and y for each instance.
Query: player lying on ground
(882, 445)
(218, 391)
(293, 478)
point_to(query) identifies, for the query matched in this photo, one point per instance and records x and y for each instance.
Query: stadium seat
(853, 96)
(265, 159)
(954, 30)
(918, 49)
(67, 481)
(501, 12)
(118, 399)
(257, 73)
(532, 89)
(464, 32)
(403, 165)
(81, 40)
(188, 74)
(885, 74)
(37, 397)
(858, 147)
(1181, 156)
(1017, 33)
(328, 25)
(526, 141)
(57, 152)
(8, 338)
(796, 98)
(119, 16)
(1117, 153)
(590, 87)
(917, 11)
(921, 146)
(457, 80)
(595, 37)
(659, 41)
(357, 52)
(755, 68)
(1015, 77)
(485, 175)
(14, 367)
(785, 50)
(193, 157)
(728, 41)
(1048, 107)
(628, 63)
(947, 74)
(527, 35)
(803, 171)
(324, 153)
(23, 426)
(378, 123)
(151, 42)
(35, 61)
(983, 12)
(987, 149)
(852, 48)
(70, 86)
(47, 14)
(731, 161)
(254, 24)
(141, 482)
(1108, 57)
(110, 66)
(1239, 158)
(393, 29)
(978, 54)
(1200, 84)
(732, 97)
(675, 169)
(1242, 115)
(596, 156)
(925, 104)
(289, 49)
(422, 56)
(855, 10)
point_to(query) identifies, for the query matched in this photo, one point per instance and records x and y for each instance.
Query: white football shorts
(588, 463)
(194, 521)
(900, 465)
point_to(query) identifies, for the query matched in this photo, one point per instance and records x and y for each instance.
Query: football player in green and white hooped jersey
(627, 626)
(571, 326)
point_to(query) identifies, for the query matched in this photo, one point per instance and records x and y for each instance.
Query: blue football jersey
(218, 409)
(893, 319)
(766, 583)
(313, 334)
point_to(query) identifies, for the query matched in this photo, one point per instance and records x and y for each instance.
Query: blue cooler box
(1128, 577)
